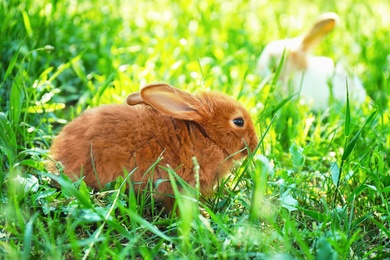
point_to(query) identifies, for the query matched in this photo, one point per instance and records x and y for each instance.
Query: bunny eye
(239, 121)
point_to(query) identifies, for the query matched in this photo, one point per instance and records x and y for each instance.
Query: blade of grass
(348, 150)
(27, 23)
(8, 142)
(274, 82)
(351, 145)
(280, 67)
(186, 209)
(16, 103)
(347, 126)
(273, 109)
(28, 237)
(12, 63)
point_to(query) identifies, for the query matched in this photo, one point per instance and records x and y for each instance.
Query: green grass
(317, 188)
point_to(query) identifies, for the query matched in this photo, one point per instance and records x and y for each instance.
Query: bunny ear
(171, 101)
(134, 99)
(325, 23)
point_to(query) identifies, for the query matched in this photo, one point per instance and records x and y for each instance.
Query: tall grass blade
(347, 126)
(351, 145)
(381, 226)
(107, 83)
(186, 204)
(275, 78)
(259, 178)
(8, 142)
(279, 68)
(348, 150)
(12, 63)
(273, 109)
(16, 102)
(27, 23)
(28, 237)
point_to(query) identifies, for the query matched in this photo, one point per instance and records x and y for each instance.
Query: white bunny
(312, 76)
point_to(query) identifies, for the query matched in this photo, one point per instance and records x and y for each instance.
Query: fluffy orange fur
(105, 141)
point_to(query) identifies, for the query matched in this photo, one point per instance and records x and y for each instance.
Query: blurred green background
(118, 46)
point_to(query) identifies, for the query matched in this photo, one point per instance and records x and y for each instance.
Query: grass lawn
(317, 188)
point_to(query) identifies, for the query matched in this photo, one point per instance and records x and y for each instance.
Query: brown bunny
(159, 121)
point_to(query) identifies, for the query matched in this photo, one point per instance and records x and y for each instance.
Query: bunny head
(223, 120)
